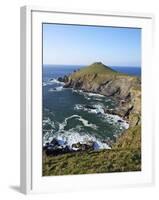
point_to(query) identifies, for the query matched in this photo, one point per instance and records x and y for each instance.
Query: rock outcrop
(98, 78)
(54, 148)
(125, 89)
(63, 79)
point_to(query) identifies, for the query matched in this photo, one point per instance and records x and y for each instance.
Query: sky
(84, 45)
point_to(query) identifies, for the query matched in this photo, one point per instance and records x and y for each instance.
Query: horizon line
(139, 66)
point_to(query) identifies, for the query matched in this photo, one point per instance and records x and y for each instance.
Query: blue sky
(83, 45)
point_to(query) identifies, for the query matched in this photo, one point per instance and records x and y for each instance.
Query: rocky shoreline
(54, 148)
(124, 89)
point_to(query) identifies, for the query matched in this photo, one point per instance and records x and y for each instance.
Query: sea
(72, 116)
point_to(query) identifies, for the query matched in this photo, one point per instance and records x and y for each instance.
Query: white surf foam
(48, 121)
(60, 88)
(84, 122)
(78, 107)
(51, 90)
(88, 95)
(54, 80)
(44, 84)
(94, 94)
(115, 119)
(56, 89)
(72, 137)
(98, 109)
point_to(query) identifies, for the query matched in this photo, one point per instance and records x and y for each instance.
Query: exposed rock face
(98, 78)
(63, 79)
(125, 89)
(83, 147)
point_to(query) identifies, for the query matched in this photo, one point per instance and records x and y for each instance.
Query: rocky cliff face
(126, 90)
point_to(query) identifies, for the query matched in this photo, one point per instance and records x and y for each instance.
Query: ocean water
(134, 71)
(74, 116)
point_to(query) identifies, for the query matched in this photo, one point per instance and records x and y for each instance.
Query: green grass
(103, 161)
(131, 138)
(94, 69)
(98, 68)
(124, 156)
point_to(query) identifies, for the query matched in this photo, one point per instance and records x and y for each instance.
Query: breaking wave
(67, 136)
(72, 136)
(56, 89)
(52, 82)
(78, 117)
(98, 109)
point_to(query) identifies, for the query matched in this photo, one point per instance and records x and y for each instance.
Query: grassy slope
(124, 156)
(101, 71)
(114, 160)
(98, 68)
(131, 138)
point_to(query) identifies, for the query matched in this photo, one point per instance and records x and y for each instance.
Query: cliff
(125, 89)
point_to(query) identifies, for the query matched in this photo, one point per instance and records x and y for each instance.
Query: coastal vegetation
(113, 160)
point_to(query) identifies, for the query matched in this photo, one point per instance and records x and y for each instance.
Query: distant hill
(99, 78)
(98, 71)
(97, 67)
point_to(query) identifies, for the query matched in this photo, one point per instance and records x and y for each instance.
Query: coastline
(64, 143)
(126, 92)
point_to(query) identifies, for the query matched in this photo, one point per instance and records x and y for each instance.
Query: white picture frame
(31, 59)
